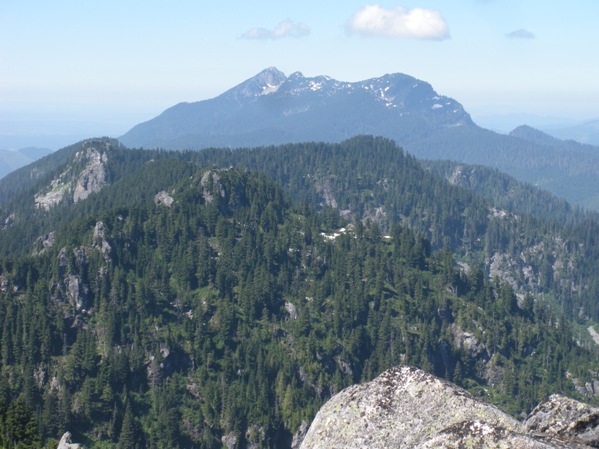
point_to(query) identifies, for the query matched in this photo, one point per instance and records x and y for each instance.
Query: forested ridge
(539, 242)
(233, 305)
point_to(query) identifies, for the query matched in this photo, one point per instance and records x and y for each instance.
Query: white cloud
(287, 28)
(520, 34)
(417, 23)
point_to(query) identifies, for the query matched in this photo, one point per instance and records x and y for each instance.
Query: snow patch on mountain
(269, 89)
(262, 110)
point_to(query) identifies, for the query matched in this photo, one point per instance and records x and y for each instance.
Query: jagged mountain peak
(270, 108)
(265, 82)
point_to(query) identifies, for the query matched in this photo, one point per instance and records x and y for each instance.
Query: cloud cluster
(417, 23)
(287, 28)
(520, 34)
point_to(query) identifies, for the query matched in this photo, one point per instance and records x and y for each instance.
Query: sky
(75, 69)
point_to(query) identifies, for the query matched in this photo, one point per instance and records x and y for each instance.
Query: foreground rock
(408, 408)
(566, 418)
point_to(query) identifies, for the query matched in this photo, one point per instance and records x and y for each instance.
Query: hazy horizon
(73, 70)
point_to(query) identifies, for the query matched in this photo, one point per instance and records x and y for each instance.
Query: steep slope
(573, 170)
(64, 186)
(506, 192)
(26, 177)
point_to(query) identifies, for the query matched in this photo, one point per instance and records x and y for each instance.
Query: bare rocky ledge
(408, 408)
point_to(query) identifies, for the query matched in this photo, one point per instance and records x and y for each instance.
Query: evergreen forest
(202, 299)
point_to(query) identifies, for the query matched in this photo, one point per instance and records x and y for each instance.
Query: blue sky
(79, 68)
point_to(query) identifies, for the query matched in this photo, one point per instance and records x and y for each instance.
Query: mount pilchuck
(271, 108)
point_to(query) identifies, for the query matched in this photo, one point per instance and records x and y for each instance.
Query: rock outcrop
(163, 199)
(65, 442)
(408, 408)
(99, 241)
(93, 176)
(53, 197)
(87, 173)
(566, 418)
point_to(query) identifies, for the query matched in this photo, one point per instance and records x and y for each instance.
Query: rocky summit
(408, 408)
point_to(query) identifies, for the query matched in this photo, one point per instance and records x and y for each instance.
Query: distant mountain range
(587, 132)
(272, 108)
(504, 123)
(10, 160)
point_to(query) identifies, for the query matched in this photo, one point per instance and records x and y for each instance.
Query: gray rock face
(408, 408)
(87, 175)
(99, 239)
(163, 199)
(53, 197)
(299, 436)
(229, 440)
(77, 292)
(481, 435)
(93, 177)
(210, 183)
(564, 417)
(291, 310)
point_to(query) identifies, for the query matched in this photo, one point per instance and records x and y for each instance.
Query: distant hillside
(11, 160)
(272, 108)
(587, 132)
(506, 192)
(488, 219)
(536, 136)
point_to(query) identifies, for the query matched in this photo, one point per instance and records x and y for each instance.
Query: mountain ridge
(364, 178)
(272, 109)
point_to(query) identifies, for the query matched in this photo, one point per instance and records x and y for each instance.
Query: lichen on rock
(408, 408)
(563, 417)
